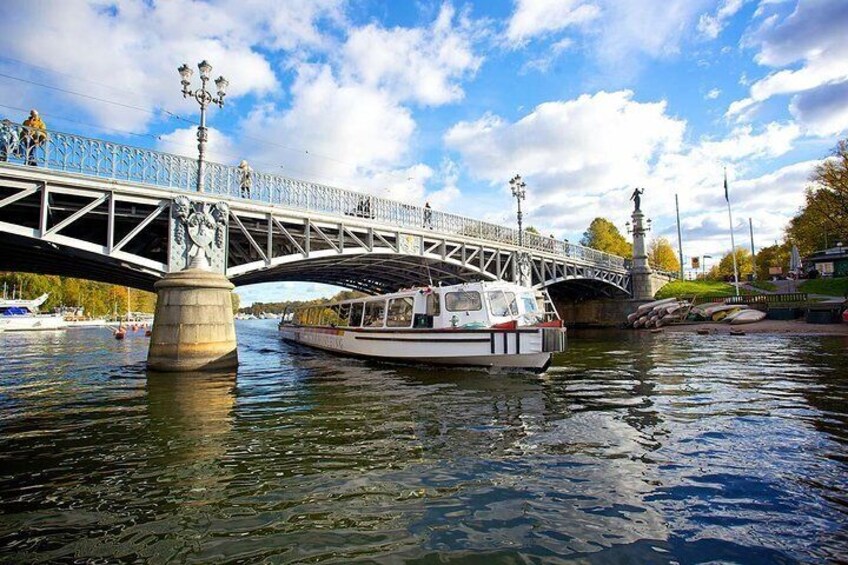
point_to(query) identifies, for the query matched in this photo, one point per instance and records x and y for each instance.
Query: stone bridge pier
(193, 327)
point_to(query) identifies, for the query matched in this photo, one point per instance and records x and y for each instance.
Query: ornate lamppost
(519, 193)
(204, 98)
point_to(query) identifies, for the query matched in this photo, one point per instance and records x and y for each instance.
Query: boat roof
(479, 285)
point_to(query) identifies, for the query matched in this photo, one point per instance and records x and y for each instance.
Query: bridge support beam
(193, 327)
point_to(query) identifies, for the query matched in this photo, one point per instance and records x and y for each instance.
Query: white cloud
(713, 94)
(533, 18)
(581, 158)
(814, 35)
(543, 63)
(822, 111)
(710, 26)
(578, 152)
(134, 46)
(608, 133)
(634, 27)
(347, 128)
(219, 147)
(418, 64)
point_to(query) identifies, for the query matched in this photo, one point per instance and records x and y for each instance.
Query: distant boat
(17, 315)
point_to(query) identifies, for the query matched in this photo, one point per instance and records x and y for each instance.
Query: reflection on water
(632, 448)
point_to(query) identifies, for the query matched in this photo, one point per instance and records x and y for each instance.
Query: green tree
(724, 268)
(662, 255)
(96, 298)
(604, 236)
(532, 229)
(772, 256)
(823, 220)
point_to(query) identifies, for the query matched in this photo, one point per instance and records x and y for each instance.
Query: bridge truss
(102, 211)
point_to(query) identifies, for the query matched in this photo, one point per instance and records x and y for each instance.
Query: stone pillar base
(193, 327)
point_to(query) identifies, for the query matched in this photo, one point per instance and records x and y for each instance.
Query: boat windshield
(399, 314)
(502, 303)
(464, 300)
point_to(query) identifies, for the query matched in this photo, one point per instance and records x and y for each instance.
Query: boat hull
(518, 349)
(31, 323)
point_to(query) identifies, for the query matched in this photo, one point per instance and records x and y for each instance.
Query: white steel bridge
(104, 211)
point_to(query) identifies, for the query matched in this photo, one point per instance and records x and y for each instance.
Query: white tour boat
(488, 324)
(18, 315)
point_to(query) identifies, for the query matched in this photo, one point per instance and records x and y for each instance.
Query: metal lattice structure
(109, 206)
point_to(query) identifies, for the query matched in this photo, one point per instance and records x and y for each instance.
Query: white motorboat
(17, 315)
(488, 324)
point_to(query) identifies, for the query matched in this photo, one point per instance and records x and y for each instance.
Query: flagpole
(679, 237)
(753, 253)
(732, 239)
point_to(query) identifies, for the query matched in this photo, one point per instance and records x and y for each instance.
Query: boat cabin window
(463, 301)
(307, 317)
(374, 311)
(356, 314)
(327, 316)
(399, 314)
(502, 303)
(529, 302)
(344, 314)
(434, 307)
(331, 316)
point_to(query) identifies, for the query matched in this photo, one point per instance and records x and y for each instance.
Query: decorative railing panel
(77, 154)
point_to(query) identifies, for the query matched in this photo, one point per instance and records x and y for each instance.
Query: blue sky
(445, 101)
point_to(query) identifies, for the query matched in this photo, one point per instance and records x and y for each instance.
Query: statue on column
(637, 198)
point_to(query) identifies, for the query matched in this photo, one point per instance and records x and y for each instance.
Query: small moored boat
(487, 324)
(747, 317)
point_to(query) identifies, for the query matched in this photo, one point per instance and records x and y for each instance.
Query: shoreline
(781, 327)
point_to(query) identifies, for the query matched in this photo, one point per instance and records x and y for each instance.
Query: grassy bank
(701, 289)
(763, 285)
(832, 287)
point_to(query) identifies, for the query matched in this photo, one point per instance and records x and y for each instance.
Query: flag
(726, 197)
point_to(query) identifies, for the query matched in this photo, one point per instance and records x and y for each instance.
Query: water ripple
(632, 448)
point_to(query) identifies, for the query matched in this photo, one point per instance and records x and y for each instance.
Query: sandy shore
(796, 327)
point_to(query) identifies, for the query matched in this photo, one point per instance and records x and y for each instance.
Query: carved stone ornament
(199, 235)
(524, 270)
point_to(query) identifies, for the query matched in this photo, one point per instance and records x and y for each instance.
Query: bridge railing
(77, 154)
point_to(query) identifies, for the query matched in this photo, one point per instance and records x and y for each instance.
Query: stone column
(640, 273)
(193, 327)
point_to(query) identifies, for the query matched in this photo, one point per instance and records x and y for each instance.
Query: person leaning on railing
(9, 140)
(34, 135)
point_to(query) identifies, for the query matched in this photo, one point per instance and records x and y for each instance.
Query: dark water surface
(634, 448)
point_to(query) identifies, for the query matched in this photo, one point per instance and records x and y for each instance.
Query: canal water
(634, 448)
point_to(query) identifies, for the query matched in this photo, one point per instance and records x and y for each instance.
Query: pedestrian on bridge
(428, 216)
(9, 139)
(34, 136)
(245, 179)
